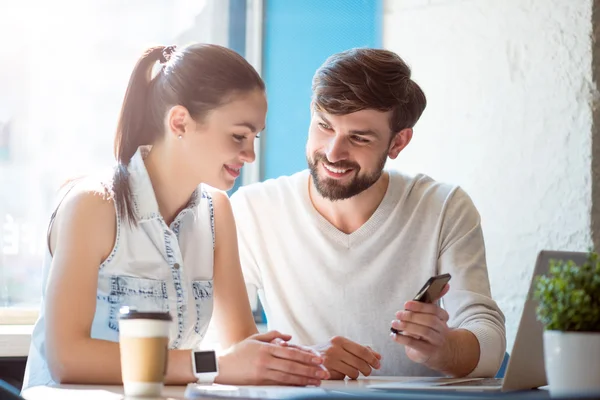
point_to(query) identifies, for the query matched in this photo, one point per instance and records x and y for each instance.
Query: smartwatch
(205, 366)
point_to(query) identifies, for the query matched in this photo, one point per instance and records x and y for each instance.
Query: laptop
(525, 369)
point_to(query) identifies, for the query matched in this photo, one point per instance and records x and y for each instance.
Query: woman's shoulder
(85, 216)
(218, 198)
(85, 195)
(223, 215)
(215, 194)
(86, 205)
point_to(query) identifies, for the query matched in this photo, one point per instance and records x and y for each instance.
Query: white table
(72, 392)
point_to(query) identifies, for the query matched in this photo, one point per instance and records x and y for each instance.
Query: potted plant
(568, 300)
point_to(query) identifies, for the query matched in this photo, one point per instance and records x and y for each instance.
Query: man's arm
(462, 353)
(472, 342)
(474, 314)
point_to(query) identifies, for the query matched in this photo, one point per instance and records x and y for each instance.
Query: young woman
(155, 236)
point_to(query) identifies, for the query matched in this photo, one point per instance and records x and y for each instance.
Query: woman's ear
(399, 142)
(178, 121)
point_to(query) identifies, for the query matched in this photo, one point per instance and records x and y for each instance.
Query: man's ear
(178, 121)
(399, 142)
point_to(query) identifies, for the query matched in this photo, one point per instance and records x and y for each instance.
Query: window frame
(16, 323)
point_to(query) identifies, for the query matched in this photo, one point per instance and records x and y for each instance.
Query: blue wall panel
(299, 35)
(237, 42)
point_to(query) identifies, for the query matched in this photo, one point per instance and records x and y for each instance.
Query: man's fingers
(419, 332)
(426, 308)
(337, 365)
(427, 320)
(361, 352)
(376, 354)
(419, 345)
(356, 363)
(336, 375)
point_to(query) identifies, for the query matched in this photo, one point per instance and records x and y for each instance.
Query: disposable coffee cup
(144, 342)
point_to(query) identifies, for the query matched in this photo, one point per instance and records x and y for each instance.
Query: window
(65, 66)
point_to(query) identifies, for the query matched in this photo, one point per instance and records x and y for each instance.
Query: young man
(338, 251)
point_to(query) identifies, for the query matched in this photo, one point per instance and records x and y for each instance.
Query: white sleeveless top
(151, 267)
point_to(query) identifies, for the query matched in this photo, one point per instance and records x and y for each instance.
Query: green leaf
(568, 297)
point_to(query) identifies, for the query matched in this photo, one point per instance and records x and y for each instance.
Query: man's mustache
(319, 157)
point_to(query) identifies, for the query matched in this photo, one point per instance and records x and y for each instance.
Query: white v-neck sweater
(317, 282)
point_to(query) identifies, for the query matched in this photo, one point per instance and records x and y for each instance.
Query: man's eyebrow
(366, 132)
(323, 118)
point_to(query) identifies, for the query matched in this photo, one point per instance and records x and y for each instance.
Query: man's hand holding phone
(422, 326)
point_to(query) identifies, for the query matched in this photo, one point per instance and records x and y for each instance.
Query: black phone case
(430, 290)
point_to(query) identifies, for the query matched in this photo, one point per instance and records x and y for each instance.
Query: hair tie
(166, 54)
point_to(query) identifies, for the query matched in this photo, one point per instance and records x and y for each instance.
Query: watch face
(205, 361)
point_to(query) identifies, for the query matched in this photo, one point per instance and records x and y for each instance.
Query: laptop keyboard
(476, 382)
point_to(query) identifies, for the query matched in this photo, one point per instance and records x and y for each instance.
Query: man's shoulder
(271, 190)
(420, 186)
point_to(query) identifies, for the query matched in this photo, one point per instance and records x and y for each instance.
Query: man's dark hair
(364, 78)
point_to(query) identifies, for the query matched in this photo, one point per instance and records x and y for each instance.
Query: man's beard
(332, 189)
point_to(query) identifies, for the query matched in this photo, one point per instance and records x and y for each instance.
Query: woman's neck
(171, 190)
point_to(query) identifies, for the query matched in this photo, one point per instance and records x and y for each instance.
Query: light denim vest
(152, 267)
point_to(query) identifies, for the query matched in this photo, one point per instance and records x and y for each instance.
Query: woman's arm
(232, 313)
(82, 236)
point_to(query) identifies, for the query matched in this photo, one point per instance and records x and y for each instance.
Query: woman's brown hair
(200, 78)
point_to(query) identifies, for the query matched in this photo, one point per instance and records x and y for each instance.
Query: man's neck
(350, 214)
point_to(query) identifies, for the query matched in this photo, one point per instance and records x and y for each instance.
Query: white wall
(509, 88)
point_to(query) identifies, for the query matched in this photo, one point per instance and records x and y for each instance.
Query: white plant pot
(572, 362)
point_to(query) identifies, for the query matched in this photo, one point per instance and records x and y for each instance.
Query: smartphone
(431, 290)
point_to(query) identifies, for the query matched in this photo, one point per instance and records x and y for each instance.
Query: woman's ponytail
(132, 128)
